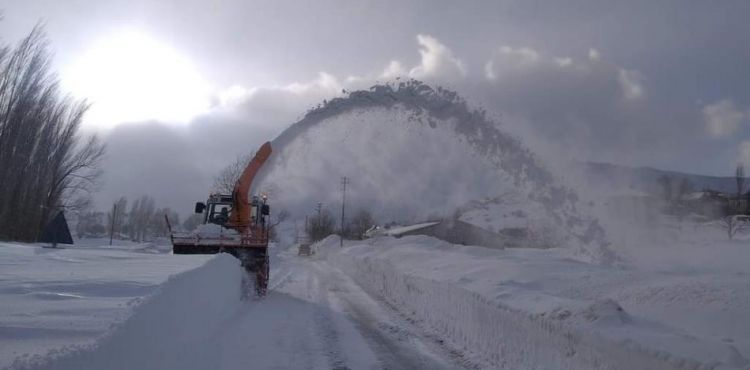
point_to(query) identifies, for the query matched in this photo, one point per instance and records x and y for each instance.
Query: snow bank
(514, 326)
(176, 320)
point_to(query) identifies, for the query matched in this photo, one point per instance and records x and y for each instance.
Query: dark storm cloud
(587, 107)
(637, 82)
(176, 165)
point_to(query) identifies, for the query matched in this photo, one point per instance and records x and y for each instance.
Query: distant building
(716, 204)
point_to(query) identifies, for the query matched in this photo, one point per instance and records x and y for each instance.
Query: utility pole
(344, 182)
(112, 224)
(315, 224)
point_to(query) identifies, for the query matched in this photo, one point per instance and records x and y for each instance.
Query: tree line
(46, 165)
(322, 224)
(142, 220)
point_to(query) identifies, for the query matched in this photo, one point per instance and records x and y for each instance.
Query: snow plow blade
(195, 249)
(251, 251)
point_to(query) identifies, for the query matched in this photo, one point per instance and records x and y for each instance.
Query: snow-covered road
(314, 317)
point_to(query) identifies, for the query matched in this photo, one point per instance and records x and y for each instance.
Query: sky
(181, 88)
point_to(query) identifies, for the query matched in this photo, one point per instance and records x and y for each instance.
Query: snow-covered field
(414, 302)
(51, 298)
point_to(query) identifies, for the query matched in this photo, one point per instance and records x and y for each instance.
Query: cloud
(507, 59)
(594, 54)
(177, 163)
(393, 70)
(180, 170)
(275, 105)
(722, 118)
(631, 83)
(438, 62)
(585, 107)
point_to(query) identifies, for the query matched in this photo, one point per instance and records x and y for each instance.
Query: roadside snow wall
(506, 337)
(172, 329)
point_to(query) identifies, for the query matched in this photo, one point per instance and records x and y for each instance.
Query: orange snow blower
(234, 223)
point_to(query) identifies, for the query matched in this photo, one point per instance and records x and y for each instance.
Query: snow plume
(414, 152)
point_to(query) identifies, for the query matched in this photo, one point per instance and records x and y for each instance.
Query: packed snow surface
(527, 308)
(411, 302)
(50, 298)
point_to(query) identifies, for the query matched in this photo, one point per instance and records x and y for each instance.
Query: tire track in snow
(394, 342)
(324, 325)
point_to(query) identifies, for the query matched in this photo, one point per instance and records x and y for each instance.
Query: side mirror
(199, 207)
(265, 210)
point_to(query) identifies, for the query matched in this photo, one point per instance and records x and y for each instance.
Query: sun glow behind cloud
(129, 76)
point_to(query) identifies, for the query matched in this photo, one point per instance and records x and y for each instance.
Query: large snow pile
(415, 153)
(178, 320)
(525, 308)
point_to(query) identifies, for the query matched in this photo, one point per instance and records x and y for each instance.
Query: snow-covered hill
(413, 152)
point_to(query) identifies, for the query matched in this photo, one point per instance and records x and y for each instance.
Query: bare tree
(320, 225)
(44, 163)
(360, 223)
(277, 219)
(141, 215)
(733, 224)
(733, 221)
(91, 224)
(228, 176)
(158, 225)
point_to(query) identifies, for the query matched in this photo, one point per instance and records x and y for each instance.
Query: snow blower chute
(234, 223)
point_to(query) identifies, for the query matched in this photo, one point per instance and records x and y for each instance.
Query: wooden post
(112, 224)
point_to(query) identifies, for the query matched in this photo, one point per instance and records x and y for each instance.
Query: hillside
(645, 179)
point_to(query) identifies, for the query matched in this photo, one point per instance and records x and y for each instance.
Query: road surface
(316, 317)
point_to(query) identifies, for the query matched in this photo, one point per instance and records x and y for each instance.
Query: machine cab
(216, 210)
(218, 207)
